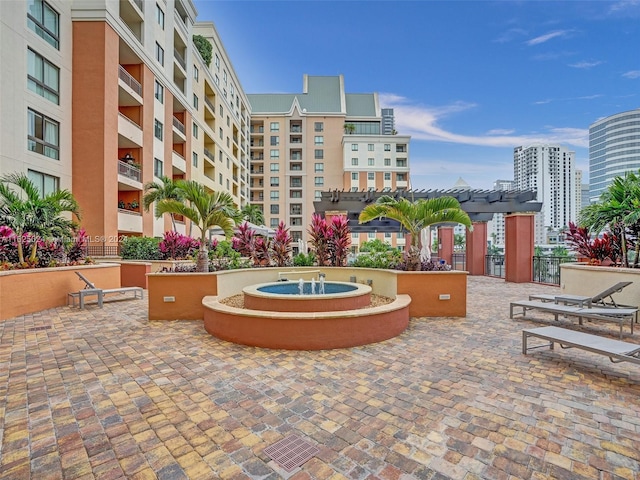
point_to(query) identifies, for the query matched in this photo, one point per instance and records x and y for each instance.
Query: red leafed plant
(319, 238)
(251, 245)
(176, 246)
(281, 246)
(596, 250)
(339, 241)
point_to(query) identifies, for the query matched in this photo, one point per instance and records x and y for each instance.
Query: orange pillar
(518, 247)
(445, 244)
(476, 248)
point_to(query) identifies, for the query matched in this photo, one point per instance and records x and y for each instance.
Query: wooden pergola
(518, 206)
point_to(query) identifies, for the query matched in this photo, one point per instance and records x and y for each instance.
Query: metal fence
(459, 261)
(547, 269)
(494, 265)
(103, 250)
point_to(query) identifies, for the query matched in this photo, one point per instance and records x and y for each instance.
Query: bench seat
(606, 314)
(616, 350)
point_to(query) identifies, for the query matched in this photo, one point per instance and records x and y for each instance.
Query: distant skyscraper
(550, 170)
(613, 150)
(388, 121)
(495, 228)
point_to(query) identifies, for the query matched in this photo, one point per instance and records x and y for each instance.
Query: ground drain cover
(35, 329)
(291, 452)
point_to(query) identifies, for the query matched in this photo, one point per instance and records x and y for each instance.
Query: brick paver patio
(105, 394)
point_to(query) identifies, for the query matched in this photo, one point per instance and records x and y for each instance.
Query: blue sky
(469, 80)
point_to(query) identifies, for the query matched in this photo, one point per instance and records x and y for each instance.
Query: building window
(319, 154)
(318, 181)
(159, 54)
(387, 162)
(371, 162)
(401, 177)
(370, 147)
(43, 77)
(196, 73)
(274, 167)
(274, 182)
(317, 195)
(221, 111)
(220, 178)
(295, 182)
(274, 126)
(318, 127)
(274, 195)
(371, 235)
(46, 184)
(295, 194)
(318, 167)
(275, 140)
(217, 62)
(274, 154)
(354, 176)
(157, 167)
(43, 135)
(194, 159)
(318, 140)
(387, 147)
(399, 235)
(275, 209)
(160, 16)
(159, 92)
(354, 147)
(195, 101)
(157, 129)
(44, 20)
(195, 130)
(274, 222)
(220, 133)
(295, 209)
(228, 121)
(296, 221)
(354, 162)
(401, 162)
(371, 176)
(387, 175)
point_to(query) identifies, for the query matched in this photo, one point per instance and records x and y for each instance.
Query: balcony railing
(179, 125)
(210, 104)
(296, 128)
(257, 129)
(140, 4)
(209, 155)
(129, 80)
(178, 56)
(129, 171)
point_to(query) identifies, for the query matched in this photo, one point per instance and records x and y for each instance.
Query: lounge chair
(91, 290)
(616, 350)
(599, 299)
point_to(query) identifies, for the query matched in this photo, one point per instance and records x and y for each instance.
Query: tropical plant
(166, 189)
(26, 211)
(204, 47)
(319, 238)
(415, 216)
(375, 245)
(176, 246)
(205, 209)
(281, 246)
(304, 260)
(596, 249)
(252, 214)
(339, 241)
(349, 128)
(77, 248)
(459, 242)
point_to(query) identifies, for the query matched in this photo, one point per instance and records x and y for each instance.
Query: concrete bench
(606, 314)
(616, 350)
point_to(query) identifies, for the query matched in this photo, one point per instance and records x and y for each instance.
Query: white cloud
(624, 6)
(510, 35)
(584, 64)
(547, 36)
(633, 74)
(501, 131)
(422, 123)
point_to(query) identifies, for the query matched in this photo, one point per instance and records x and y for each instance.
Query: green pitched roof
(361, 104)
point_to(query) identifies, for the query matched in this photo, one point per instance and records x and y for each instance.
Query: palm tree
(205, 209)
(26, 210)
(252, 214)
(161, 191)
(414, 216)
(619, 209)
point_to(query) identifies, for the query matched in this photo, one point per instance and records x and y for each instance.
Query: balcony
(209, 155)
(257, 129)
(129, 221)
(210, 104)
(179, 163)
(129, 133)
(130, 90)
(130, 171)
(296, 128)
(179, 132)
(180, 59)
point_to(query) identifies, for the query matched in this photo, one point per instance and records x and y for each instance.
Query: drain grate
(44, 327)
(291, 452)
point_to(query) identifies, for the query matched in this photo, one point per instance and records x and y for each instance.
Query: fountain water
(313, 286)
(301, 286)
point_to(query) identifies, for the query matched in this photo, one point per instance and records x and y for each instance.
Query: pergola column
(518, 247)
(445, 244)
(476, 249)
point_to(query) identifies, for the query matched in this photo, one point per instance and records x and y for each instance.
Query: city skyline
(467, 88)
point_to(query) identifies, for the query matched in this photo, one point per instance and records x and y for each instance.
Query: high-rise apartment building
(320, 139)
(550, 170)
(103, 97)
(613, 150)
(388, 121)
(495, 227)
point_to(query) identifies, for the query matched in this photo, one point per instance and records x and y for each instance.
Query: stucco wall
(578, 279)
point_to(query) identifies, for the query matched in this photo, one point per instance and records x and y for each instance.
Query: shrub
(339, 241)
(319, 238)
(222, 256)
(140, 248)
(596, 249)
(176, 246)
(76, 251)
(281, 246)
(204, 47)
(302, 260)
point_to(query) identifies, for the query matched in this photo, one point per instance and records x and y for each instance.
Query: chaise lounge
(91, 290)
(599, 299)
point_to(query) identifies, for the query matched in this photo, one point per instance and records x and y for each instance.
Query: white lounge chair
(91, 290)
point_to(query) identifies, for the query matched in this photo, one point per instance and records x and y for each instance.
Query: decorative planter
(33, 290)
(584, 279)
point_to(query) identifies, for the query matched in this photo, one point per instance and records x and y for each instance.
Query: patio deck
(102, 393)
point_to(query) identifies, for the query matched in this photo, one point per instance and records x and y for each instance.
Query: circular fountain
(313, 315)
(306, 296)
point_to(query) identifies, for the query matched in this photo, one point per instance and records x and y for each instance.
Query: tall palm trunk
(202, 263)
(413, 258)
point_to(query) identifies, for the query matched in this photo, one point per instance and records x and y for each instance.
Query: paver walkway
(105, 394)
